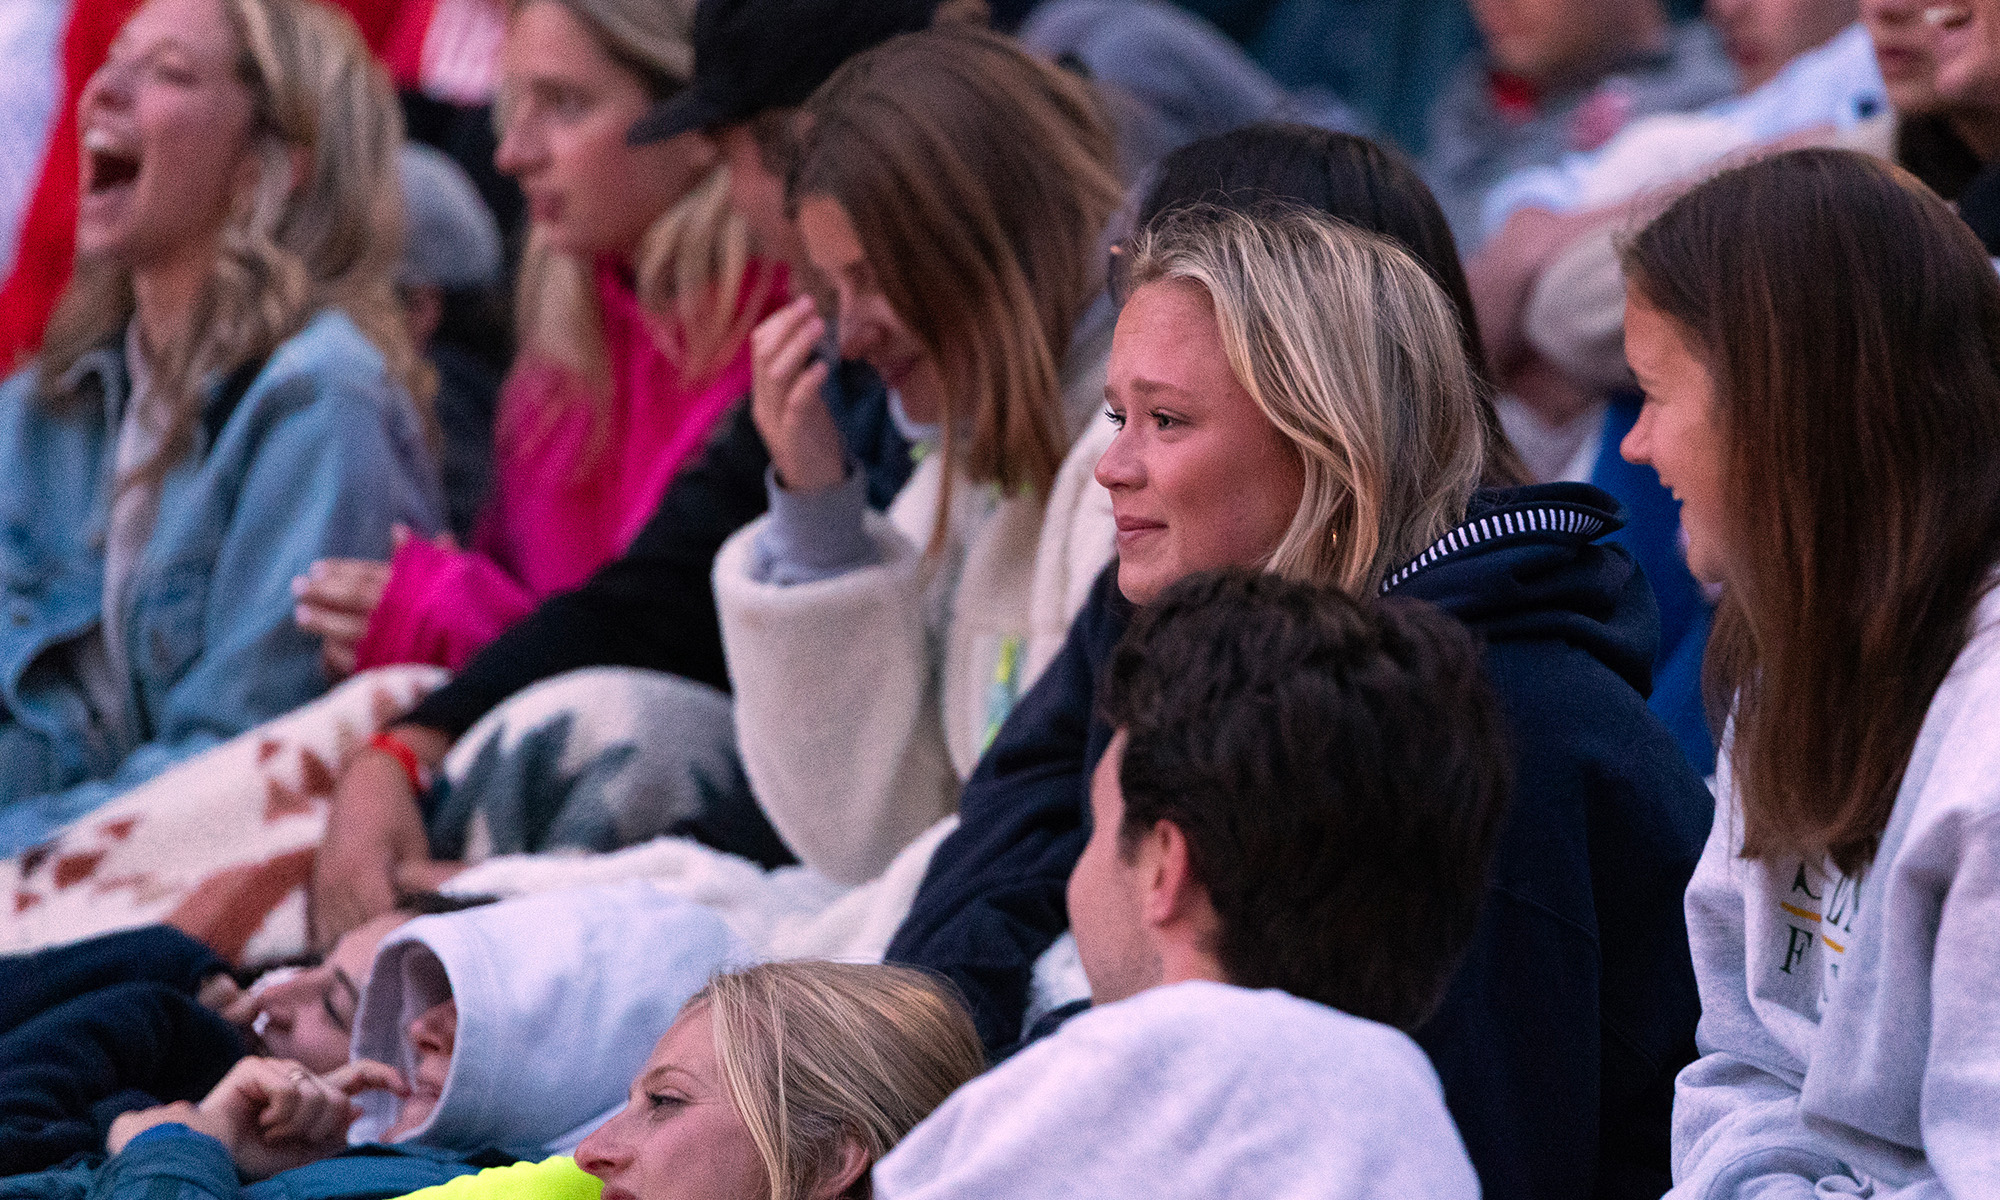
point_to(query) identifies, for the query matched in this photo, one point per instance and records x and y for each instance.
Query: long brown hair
(1851, 325)
(979, 181)
(288, 250)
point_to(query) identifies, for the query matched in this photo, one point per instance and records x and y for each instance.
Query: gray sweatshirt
(1197, 1090)
(1850, 1030)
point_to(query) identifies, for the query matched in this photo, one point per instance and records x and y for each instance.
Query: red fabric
(1517, 98)
(547, 526)
(48, 230)
(377, 18)
(403, 47)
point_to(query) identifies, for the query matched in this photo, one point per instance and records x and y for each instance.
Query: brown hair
(979, 181)
(287, 251)
(1851, 325)
(818, 1056)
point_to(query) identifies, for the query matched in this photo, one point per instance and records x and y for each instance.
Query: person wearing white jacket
(953, 192)
(1819, 339)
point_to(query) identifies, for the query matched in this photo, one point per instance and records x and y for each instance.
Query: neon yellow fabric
(556, 1178)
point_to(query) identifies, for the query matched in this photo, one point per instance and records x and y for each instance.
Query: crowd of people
(1197, 688)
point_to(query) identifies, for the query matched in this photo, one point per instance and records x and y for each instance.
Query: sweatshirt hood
(1527, 564)
(560, 996)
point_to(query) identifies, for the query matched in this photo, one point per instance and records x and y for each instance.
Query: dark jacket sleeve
(31, 984)
(653, 605)
(993, 898)
(65, 1074)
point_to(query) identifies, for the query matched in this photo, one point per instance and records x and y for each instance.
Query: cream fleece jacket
(863, 701)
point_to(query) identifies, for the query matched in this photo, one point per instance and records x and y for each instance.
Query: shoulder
(327, 371)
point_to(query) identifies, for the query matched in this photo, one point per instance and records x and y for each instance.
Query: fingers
(347, 585)
(339, 658)
(366, 1075)
(330, 623)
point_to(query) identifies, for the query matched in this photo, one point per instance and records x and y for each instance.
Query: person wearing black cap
(755, 62)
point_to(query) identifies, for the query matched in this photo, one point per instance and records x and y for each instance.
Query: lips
(1133, 529)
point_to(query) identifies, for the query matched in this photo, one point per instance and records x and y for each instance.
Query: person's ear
(1172, 892)
(853, 1164)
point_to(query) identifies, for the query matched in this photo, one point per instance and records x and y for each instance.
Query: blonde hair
(818, 1055)
(288, 249)
(1352, 351)
(692, 259)
(979, 181)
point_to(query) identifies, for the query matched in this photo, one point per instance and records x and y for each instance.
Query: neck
(1181, 961)
(1979, 129)
(164, 296)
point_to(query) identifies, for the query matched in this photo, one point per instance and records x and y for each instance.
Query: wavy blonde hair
(692, 260)
(818, 1056)
(1352, 351)
(330, 239)
(979, 180)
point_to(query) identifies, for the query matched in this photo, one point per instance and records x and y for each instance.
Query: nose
(858, 334)
(1636, 447)
(1119, 466)
(607, 1148)
(110, 86)
(519, 151)
(434, 1031)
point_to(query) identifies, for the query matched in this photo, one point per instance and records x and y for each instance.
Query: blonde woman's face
(678, 1137)
(1199, 479)
(565, 107)
(165, 128)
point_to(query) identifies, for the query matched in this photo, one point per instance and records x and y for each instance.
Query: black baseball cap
(753, 55)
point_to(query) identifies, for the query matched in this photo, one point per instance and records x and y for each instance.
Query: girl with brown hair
(1818, 336)
(952, 192)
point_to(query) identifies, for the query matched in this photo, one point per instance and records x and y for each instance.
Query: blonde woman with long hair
(636, 295)
(226, 393)
(1292, 394)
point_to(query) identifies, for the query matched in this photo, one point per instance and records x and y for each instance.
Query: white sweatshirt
(1850, 1030)
(1198, 1090)
(863, 701)
(560, 996)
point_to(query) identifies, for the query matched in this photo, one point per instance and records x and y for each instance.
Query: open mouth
(107, 165)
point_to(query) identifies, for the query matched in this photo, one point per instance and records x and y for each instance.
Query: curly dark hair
(1339, 768)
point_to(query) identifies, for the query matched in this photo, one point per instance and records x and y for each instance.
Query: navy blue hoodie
(1561, 1034)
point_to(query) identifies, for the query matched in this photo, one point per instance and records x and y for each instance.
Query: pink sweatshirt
(548, 525)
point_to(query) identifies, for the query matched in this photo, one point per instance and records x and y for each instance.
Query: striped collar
(1526, 521)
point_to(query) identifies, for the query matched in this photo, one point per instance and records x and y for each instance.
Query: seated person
(1289, 834)
(224, 396)
(1346, 453)
(1557, 77)
(785, 1081)
(635, 302)
(1819, 340)
(466, 1054)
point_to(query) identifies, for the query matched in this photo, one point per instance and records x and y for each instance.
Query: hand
(274, 1115)
(336, 598)
(373, 831)
(128, 1125)
(806, 446)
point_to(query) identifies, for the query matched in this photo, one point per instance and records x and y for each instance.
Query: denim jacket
(319, 456)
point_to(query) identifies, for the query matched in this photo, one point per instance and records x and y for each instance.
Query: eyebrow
(658, 1075)
(1154, 386)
